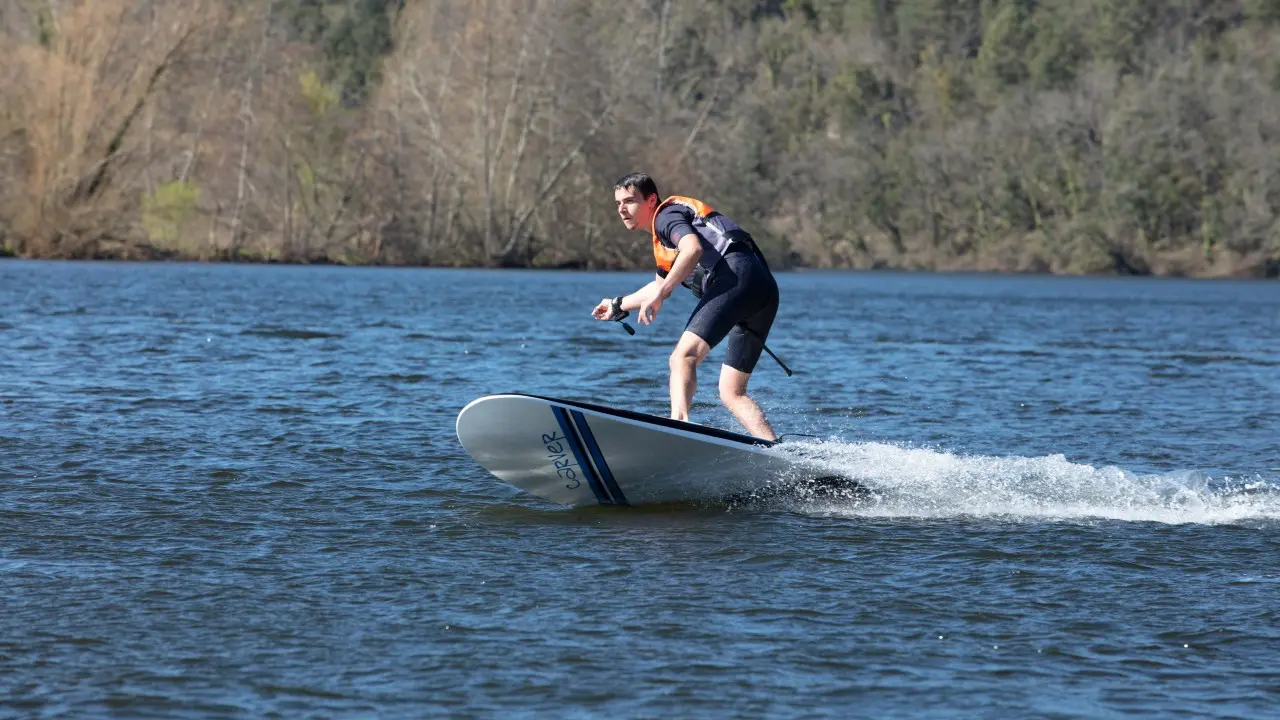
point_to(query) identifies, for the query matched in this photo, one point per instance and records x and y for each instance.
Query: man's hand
(604, 310)
(650, 303)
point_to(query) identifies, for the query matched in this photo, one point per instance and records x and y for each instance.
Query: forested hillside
(1134, 136)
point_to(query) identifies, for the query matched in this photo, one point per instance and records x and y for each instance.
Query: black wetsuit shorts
(739, 301)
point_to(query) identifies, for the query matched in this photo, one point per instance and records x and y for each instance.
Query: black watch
(617, 305)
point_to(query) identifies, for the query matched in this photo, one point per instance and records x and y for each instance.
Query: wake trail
(920, 482)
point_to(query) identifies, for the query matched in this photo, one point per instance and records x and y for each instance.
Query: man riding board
(695, 246)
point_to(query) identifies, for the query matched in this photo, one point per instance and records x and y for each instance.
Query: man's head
(636, 197)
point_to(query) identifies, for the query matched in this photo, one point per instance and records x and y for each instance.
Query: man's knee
(731, 389)
(683, 358)
(689, 352)
(728, 395)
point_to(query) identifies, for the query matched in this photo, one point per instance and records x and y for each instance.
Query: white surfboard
(577, 454)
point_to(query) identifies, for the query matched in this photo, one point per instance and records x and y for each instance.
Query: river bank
(1182, 264)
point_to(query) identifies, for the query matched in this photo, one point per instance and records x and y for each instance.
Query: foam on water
(920, 482)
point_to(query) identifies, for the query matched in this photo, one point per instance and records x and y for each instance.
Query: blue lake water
(236, 491)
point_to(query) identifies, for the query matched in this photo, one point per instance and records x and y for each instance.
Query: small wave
(289, 333)
(280, 410)
(594, 342)
(1211, 358)
(919, 482)
(852, 411)
(438, 338)
(1255, 579)
(410, 378)
(642, 381)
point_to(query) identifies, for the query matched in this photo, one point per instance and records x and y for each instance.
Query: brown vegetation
(1086, 136)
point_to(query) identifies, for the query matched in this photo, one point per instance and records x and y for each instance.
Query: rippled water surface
(236, 491)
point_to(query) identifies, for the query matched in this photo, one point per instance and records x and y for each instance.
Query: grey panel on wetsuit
(677, 220)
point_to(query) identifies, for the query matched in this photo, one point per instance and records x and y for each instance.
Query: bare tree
(80, 95)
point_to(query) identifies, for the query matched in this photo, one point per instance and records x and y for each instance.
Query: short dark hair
(638, 180)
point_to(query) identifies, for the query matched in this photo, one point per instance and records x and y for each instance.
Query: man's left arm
(690, 254)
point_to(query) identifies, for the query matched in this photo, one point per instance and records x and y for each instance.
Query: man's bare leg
(733, 393)
(690, 351)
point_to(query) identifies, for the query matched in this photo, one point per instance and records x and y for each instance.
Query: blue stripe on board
(594, 448)
(572, 437)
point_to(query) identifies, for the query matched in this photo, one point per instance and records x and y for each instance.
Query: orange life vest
(663, 255)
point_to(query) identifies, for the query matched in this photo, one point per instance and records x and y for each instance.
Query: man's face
(634, 208)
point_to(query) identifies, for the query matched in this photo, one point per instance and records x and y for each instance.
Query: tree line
(1078, 136)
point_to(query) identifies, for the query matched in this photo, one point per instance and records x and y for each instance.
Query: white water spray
(919, 482)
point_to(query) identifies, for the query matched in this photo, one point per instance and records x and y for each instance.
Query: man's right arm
(632, 302)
